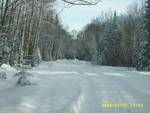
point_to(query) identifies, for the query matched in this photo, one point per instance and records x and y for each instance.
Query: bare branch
(13, 3)
(81, 2)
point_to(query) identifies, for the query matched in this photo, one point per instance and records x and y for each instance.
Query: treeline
(30, 29)
(113, 41)
(118, 40)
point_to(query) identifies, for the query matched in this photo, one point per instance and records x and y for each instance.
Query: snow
(10, 71)
(67, 86)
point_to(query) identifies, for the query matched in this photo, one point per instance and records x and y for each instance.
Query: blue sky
(77, 17)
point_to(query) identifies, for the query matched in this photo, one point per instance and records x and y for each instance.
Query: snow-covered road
(79, 87)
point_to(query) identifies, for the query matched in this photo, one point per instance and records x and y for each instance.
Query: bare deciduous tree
(82, 2)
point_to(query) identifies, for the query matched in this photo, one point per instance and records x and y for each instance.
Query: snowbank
(6, 77)
(10, 71)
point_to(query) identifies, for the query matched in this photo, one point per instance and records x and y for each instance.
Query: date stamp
(123, 105)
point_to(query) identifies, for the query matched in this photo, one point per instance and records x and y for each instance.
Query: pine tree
(110, 44)
(144, 50)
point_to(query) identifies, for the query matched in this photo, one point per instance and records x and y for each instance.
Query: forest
(46, 67)
(31, 32)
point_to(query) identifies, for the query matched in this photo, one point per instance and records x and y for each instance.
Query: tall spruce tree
(144, 50)
(109, 45)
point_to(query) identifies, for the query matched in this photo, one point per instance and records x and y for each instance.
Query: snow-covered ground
(77, 87)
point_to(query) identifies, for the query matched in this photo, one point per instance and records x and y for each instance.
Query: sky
(76, 17)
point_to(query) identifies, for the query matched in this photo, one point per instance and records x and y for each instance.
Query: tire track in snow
(76, 104)
(85, 102)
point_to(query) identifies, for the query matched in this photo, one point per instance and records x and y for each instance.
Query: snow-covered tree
(109, 45)
(144, 50)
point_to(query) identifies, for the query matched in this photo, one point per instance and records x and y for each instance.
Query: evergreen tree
(144, 50)
(109, 46)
